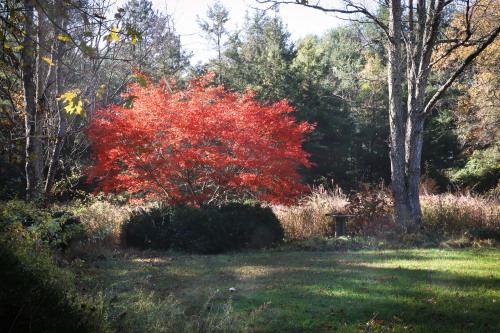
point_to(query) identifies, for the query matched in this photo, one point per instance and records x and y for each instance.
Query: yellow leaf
(63, 38)
(99, 93)
(49, 61)
(133, 34)
(74, 104)
(113, 36)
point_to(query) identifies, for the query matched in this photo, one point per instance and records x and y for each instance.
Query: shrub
(205, 230)
(234, 226)
(35, 294)
(374, 212)
(147, 229)
(249, 225)
(57, 229)
(308, 219)
(195, 230)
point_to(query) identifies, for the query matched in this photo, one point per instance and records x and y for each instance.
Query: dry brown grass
(445, 216)
(455, 215)
(308, 219)
(102, 222)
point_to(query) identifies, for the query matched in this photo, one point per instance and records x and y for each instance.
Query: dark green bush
(231, 227)
(195, 230)
(252, 225)
(147, 229)
(204, 230)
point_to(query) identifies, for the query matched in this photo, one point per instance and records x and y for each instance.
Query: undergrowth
(36, 295)
(466, 216)
(451, 220)
(310, 217)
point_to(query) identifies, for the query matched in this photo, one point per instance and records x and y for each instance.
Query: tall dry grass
(454, 215)
(308, 218)
(103, 223)
(445, 216)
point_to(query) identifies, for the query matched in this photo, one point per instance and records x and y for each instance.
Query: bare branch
(467, 61)
(350, 8)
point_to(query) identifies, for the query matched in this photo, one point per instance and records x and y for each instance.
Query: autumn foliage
(200, 144)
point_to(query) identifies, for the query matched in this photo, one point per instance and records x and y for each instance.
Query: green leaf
(134, 34)
(87, 50)
(141, 79)
(129, 101)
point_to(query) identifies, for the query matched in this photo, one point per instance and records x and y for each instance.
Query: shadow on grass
(322, 291)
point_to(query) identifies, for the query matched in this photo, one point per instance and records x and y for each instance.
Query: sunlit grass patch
(282, 291)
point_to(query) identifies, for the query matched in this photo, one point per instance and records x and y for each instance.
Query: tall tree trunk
(397, 116)
(62, 126)
(33, 150)
(62, 131)
(413, 143)
(420, 40)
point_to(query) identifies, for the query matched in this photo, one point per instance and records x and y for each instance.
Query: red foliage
(198, 145)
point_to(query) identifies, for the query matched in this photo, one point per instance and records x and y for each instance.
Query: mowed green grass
(431, 290)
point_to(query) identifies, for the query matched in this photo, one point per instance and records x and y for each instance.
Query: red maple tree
(200, 145)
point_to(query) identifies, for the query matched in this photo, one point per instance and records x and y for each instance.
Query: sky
(300, 21)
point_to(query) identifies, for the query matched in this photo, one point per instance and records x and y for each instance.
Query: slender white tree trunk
(62, 117)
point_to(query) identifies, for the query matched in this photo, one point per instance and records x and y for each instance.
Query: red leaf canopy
(200, 145)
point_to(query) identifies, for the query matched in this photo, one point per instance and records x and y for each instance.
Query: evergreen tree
(214, 29)
(260, 57)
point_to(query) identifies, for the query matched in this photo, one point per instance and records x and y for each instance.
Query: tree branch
(467, 61)
(356, 9)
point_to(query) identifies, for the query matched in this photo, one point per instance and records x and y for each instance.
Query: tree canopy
(200, 144)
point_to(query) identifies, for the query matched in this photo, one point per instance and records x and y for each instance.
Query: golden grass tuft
(454, 215)
(308, 218)
(445, 216)
(103, 223)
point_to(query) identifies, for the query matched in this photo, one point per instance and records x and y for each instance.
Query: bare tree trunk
(33, 150)
(397, 115)
(420, 41)
(62, 126)
(62, 132)
(413, 144)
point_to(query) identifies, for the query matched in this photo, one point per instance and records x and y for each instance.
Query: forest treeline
(83, 55)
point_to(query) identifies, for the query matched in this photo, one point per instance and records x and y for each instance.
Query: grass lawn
(431, 290)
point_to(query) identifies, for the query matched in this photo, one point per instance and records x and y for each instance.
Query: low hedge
(205, 230)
